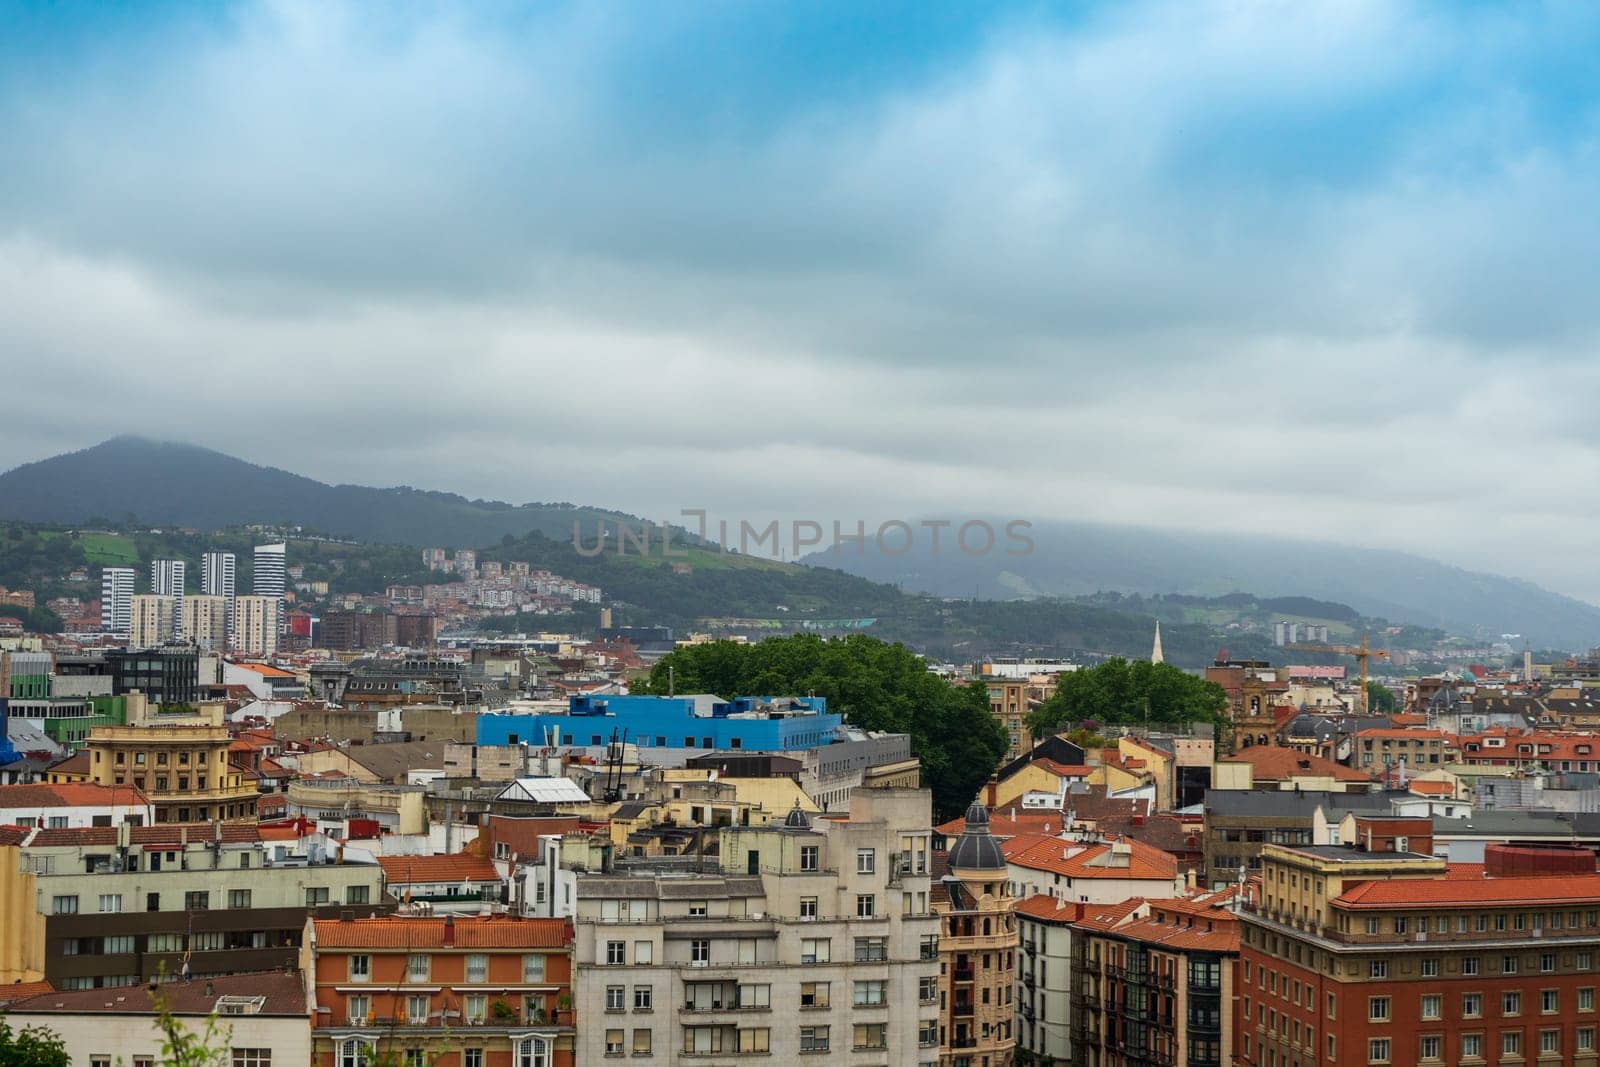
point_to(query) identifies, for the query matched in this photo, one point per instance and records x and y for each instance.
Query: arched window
(533, 1052)
(356, 1052)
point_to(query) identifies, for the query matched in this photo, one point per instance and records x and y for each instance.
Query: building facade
(184, 770)
(116, 592)
(167, 578)
(977, 951)
(255, 624)
(205, 621)
(150, 620)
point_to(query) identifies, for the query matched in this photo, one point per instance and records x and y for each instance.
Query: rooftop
(413, 933)
(69, 795)
(457, 867)
(266, 993)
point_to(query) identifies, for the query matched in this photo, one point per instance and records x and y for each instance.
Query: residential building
(805, 936)
(255, 624)
(701, 721)
(168, 674)
(977, 950)
(1418, 750)
(125, 905)
(1352, 957)
(262, 1019)
(184, 770)
(1044, 978)
(205, 621)
(116, 593)
(1086, 870)
(218, 571)
(150, 620)
(1156, 983)
(489, 991)
(73, 805)
(1241, 823)
(167, 577)
(460, 883)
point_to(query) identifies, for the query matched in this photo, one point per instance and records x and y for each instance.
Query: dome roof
(976, 849)
(797, 819)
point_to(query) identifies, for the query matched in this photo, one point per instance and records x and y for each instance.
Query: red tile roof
(69, 795)
(1380, 734)
(1062, 770)
(284, 992)
(1011, 822)
(162, 833)
(1047, 908)
(1275, 763)
(411, 933)
(23, 990)
(1108, 916)
(458, 867)
(1091, 861)
(1453, 892)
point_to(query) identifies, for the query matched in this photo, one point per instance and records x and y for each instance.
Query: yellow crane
(1361, 652)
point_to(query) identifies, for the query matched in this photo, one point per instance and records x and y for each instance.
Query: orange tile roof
(1062, 770)
(23, 990)
(1276, 763)
(1108, 916)
(457, 867)
(412, 933)
(69, 795)
(1381, 733)
(167, 833)
(1003, 825)
(1468, 892)
(1048, 908)
(266, 671)
(1052, 854)
(1432, 789)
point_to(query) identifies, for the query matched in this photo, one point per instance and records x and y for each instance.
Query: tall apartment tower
(166, 579)
(151, 623)
(116, 591)
(267, 578)
(217, 571)
(255, 624)
(205, 621)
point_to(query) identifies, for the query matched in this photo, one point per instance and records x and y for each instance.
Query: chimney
(449, 931)
(210, 989)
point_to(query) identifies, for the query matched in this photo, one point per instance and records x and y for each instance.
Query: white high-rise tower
(116, 600)
(216, 579)
(166, 579)
(267, 579)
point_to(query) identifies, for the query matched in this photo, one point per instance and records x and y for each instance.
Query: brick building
(1351, 958)
(490, 991)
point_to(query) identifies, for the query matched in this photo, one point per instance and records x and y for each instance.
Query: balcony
(961, 972)
(1091, 965)
(961, 1009)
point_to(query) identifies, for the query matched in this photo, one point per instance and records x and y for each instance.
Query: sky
(1324, 270)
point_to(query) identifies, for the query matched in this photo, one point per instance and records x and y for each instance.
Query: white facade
(255, 624)
(167, 577)
(73, 816)
(268, 577)
(217, 572)
(1044, 986)
(116, 591)
(113, 1037)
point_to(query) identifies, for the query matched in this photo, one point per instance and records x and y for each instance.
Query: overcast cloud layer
(1323, 270)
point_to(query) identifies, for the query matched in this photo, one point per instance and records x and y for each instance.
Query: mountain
(1077, 559)
(162, 482)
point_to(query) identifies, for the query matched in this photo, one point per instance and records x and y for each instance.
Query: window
(616, 998)
(63, 905)
(1508, 964)
(359, 894)
(813, 1039)
(477, 967)
(866, 860)
(1472, 1046)
(1586, 999)
(1372, 924)
(1431, 1047)
(808, 907)
(866, 905)
(644, 951)
(1549, 1041)
(1511, 1003)
(700, 951)
(360, 968)
(164, 943)
(1471, 1005)
(417, 1009)
(870, 1035)
(697, 909)
(1549, 1001)
(928, 1033)
(872, 949)
(533, 1052)
(1430, 968)
(533, 967)
(1377, 1009)
(815, 994)
(238, 898)
(643, 998)
(1432, 1004)
(815, 950)
(355, 1052)
(1547, 962)
(616, 953)
(110, 902)
(197, 901)
(1469, 965)
(643, 1041)
(1377, 968)
(928, 989)
(120, 945)
(472, 1057)
(757, 1039)
(418, 967)
(1378, 1050)
(1585, 1038)
(810, 856)
(614, 1042)
(475, 1007)
(360, 1007)
(316, 896)
(1511, 1042)
(870, 994)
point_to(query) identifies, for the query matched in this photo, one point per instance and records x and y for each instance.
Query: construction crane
(1361, 652)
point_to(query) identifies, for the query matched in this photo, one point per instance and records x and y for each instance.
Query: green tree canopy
(873, 684)
(1130, 693)
(33, 1047)
(1381, 699)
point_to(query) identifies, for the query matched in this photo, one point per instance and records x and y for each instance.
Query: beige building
(812, 936)
(205, 621)
(150, 620)
(977, 951)
(255, 625)
(184, 770)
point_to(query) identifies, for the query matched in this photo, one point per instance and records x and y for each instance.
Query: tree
(32, 1047)
(1381, 699)
(1120, 692)
(872, 684)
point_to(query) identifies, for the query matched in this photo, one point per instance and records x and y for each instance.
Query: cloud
(1312, 269)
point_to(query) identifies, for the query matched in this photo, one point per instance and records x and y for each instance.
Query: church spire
(1155, 651)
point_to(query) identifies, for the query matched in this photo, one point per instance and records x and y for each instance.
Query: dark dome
(797, 819)
(976, 849)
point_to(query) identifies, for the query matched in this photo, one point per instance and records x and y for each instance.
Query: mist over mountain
(166, 483)
(1076, 559)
